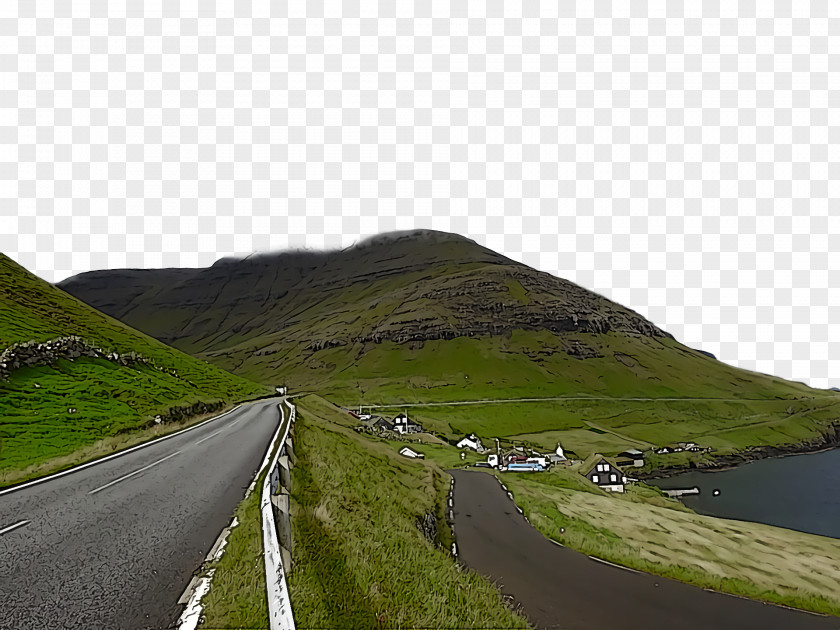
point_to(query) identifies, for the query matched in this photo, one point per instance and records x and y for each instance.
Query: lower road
(561, 588)
(115, 544)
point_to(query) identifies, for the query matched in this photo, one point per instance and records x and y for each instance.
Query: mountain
(324, 317)
(70, 375)
(431, 317)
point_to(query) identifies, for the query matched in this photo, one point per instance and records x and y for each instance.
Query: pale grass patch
(789, 563)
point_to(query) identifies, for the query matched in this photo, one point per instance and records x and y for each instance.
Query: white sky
(681, 158)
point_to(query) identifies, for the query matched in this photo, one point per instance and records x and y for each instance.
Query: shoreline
(828, 439)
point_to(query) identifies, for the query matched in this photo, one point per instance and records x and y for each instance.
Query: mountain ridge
(350, 267)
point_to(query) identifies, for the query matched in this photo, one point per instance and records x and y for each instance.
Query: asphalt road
(561, 588)
(114, 545)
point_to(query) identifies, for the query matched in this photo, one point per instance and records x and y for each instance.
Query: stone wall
(34, 354)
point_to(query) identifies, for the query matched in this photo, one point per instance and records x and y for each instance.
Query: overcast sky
(681, 160)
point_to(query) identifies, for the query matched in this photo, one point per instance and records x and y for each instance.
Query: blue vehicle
(524, 467)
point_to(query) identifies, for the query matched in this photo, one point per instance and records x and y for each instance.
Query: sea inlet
(800, 492)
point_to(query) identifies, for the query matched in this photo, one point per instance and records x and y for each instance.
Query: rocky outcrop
(33, 354)
(175, 414)
(479, 305)
(428, 525)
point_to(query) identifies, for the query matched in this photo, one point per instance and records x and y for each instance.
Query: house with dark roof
(404, 426)
(632, 457)
(378, 423)
(603, 473)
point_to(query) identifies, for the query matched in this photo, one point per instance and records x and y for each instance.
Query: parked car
(482, 465)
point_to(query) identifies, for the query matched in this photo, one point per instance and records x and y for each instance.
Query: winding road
(561, 588)
(115, 544)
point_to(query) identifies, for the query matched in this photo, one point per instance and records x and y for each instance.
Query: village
(606, 472)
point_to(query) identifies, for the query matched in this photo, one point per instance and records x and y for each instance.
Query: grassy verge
(50, 414)
(237, 596)
(646, 531)
(100, 448)
(360, 557)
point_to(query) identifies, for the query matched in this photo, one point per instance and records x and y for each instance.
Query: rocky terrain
(33, 353)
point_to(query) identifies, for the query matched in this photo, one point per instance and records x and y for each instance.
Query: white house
(403, 425)
(407, 452)
(472, 442)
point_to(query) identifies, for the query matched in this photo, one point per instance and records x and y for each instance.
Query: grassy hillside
(360, 558)
(434, 317)
(51, 411)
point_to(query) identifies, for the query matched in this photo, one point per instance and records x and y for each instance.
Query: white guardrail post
(279, 604)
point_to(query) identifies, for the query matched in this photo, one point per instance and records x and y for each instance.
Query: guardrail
(280, 615)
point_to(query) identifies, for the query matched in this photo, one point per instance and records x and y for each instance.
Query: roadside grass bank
(237, 595)
(97, 449)
(370, 541)
(646, 531)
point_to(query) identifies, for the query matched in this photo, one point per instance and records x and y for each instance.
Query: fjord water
(799, 492)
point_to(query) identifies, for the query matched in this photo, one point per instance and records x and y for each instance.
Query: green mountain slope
(52, 408)
(429, 316)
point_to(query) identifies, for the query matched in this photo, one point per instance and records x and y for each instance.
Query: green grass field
(360, 558)
(612, 426)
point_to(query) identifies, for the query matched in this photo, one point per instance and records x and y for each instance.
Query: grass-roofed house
(603, 473)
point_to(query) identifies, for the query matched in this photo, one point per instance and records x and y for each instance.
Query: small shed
(411, 453)
(635, 457)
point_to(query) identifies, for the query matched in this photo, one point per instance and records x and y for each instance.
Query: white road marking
(613, 564)
(11, 527)
(208, 437)
(109, 457)
(192, 614)
(136, 472)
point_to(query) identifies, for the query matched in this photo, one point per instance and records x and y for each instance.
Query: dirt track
(562, 589)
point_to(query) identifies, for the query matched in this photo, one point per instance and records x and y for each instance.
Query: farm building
(603, 473)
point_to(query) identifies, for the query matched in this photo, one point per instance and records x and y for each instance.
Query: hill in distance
(432, 317)
(51, 408)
